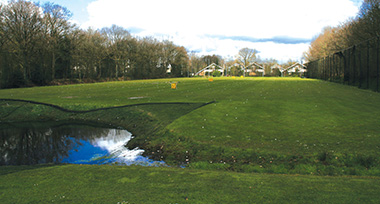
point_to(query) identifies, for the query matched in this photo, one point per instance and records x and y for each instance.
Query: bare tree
(38, 44)
(117, 38)
(2, 28)
(55, 26)
(246, 57)
(22, 22)
(364, 26)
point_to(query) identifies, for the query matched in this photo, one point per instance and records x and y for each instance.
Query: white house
(207, 71)
(169, 69)
(255, 68)
(295, 68)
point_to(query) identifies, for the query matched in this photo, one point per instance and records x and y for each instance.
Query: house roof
(257, 65)
(294, 65)
(209, 66)
(253, 63)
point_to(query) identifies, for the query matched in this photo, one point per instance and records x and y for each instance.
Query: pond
(39, 143)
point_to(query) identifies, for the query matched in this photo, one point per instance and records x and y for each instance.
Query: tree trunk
(100, 70)
(24, 66)
(53, 67)
(117, 70)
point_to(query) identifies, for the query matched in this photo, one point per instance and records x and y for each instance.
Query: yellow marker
(241, 76)
(174, 85)
(234, 77)
(210, 79)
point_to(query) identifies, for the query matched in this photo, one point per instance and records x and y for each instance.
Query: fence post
(328, 69)
(330, 65)
(377, 64)
(347, 66)
(360, 69)
(332, 69)
(342, 70)
(368, 67)
(325, 68)
(338, 70)
(354, 67)
(334, 65)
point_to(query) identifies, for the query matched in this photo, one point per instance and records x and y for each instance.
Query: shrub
(216, 73)
(366, 161)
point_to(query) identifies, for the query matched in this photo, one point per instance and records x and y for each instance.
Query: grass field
(118, 184)
(266, 125)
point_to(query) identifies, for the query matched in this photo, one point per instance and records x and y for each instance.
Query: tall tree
(246, 57)
(196, 63)
(209, 59)
(147, 60)
(181, 62)
(38, 44)
(269, 63)
(22, 24)
(168, 54)
(97, 44)
(2, 28)
(117, 38)
(364, 26)
(369, 15)
(56, 25)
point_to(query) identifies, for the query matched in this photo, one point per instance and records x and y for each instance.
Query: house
(207, 71)
(251, 70)
(169, 69)
(295, 68)
(255, 68)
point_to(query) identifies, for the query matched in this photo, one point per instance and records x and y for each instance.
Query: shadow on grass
(25, 110)
(99, 109)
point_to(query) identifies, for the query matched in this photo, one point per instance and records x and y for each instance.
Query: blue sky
(278, 29)
(77, 7)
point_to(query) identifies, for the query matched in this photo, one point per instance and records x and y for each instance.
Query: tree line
(39, 45)
(364, 26)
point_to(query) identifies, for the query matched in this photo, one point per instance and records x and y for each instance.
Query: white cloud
(189, 23)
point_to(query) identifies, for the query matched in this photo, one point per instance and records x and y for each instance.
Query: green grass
(118, 184)
(285, 126)
(273, 125)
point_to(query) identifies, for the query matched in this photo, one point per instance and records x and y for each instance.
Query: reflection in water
(36, 144)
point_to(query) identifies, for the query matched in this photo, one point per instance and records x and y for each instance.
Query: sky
(279, 29)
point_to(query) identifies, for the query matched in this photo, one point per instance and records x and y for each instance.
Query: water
(38, 143)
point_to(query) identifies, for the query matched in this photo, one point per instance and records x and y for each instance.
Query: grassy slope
(283, 119)
(117, 184)
(257, 125)
(299, 116)
(260, 113)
